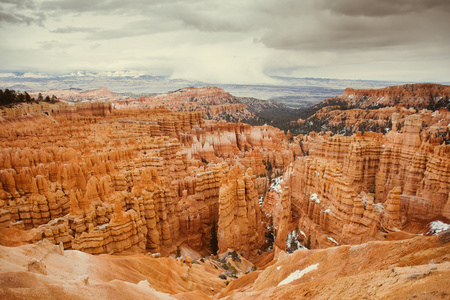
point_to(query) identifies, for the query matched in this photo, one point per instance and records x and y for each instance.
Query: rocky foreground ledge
(415, 268)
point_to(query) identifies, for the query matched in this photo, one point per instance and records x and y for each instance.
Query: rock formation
(413, 268)
(419, 95)
(214, 103)
(103, 180)
(240, 225)
(353, 189)
(380, 110)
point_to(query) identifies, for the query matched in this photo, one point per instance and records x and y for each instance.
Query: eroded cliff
(365, 187)
(102, 180)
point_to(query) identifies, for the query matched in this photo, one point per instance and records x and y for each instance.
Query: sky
(230, 41)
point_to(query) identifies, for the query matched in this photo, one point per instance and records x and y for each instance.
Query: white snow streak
(438, 226)
(298, 274)
(333, 240)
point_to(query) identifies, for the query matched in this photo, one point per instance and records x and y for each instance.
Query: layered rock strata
(213, 102)
(240, 224)
(359, 188)
(377, 110)
(108, 181)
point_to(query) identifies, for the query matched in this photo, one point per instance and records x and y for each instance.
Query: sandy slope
(418, 267)
(77, 275)
(413, 268)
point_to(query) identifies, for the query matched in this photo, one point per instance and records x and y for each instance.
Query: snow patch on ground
(261, 201)
(276, 184)
(314, 197)
(298, 274)
(333, 240)
(302, 233)
(438, 226)
(378, 207)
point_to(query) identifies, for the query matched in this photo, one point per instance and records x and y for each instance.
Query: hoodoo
(123, 197)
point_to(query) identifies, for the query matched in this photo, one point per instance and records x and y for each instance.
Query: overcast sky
(230, 41)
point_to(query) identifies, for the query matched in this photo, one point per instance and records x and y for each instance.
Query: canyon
(123, 186)
(377, 109)
(214, 103)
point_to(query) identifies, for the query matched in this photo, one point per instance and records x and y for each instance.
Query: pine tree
(292, 243)
(270, 234)
(235, 256)
(213, 242)
(27, 97)
(308, 243)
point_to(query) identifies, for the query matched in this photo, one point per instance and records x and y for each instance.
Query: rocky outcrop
(199, 205)
(354, 189)
(396, 269)
(107, 181)
(78, 95)
(213, 102)
(66, 180)
(239, 225)
(377, 110)
(419, 95)
(173, 173)
(124, 231)
(45, 271)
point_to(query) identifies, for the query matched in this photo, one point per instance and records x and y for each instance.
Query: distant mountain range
(294, 92)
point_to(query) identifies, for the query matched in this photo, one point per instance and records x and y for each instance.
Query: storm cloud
(231, 41)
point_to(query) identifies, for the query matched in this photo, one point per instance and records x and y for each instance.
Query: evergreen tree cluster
(213, 241)
(270, 234)
(8, 97)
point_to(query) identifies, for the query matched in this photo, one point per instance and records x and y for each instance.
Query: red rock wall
(239, 225)
(357, 188)
(112, 181)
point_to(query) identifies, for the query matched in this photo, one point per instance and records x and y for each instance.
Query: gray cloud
(382, 8)
(8, 18)
(20, 12)
(19, 3)
(103, 6)
(71, 29)
(207, 23)
(138, 28)
(362, 25)
(54, 45)
(20, 19)
(290, 36)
